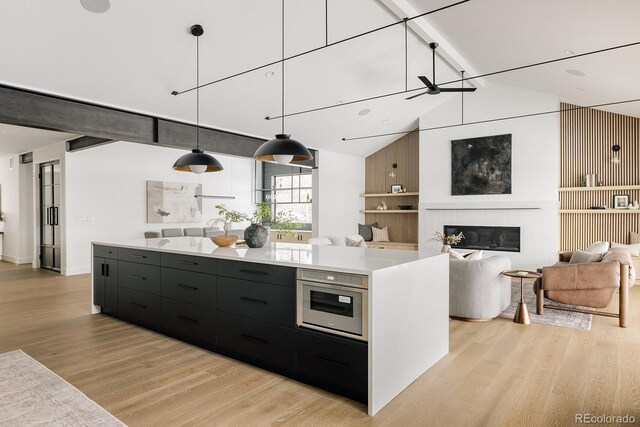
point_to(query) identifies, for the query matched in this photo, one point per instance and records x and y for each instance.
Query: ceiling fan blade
(426, 82)
(415, 96)
(458, 89)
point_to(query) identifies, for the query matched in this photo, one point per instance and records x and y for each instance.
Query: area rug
(32, 395)
(565, 319)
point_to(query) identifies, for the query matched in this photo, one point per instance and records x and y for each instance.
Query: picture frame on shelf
(395, 189)
(621, 201)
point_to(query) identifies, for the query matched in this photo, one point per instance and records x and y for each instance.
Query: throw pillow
(453, 254)
(473, 255)
(635, 237)
(380, 234)
(633, 249)
(365, 231)
(599, 248)
(580, 257)
(355, 243)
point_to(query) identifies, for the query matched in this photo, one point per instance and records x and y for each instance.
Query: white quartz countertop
(334, 258)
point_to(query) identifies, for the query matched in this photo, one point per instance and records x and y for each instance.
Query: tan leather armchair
(590, 284)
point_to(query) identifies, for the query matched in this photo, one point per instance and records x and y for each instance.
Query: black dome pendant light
(197, 161)
(282, 149)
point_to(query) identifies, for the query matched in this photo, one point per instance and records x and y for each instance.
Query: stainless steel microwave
(336, 303)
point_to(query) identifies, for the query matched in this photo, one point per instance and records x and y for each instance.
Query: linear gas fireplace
(505, 239)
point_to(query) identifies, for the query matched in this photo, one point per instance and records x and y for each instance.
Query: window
(287, 189)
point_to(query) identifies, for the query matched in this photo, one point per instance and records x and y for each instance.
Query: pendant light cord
(282, 131)
(198, 92)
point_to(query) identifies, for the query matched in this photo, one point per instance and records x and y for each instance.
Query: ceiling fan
(433, 88)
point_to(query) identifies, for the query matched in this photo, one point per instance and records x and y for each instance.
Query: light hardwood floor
(497, 373)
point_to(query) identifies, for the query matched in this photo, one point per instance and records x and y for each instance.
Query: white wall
(26, 232)
(337, 185)
(10, 205)
(106, 191)
(535, 157)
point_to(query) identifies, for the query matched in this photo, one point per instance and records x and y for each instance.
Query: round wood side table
(522, 314)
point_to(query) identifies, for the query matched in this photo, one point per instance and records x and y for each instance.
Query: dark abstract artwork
(481, 165)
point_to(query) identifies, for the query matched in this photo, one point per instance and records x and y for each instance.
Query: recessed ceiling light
(364, 112)
(569, 52)
(385, 121)
(576, 73)
(269, 74)
(96, 6)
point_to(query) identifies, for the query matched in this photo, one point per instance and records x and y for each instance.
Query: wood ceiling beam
(102, 124)
(426, 32)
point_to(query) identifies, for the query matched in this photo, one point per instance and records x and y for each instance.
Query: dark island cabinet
(259, 301)
(105, 274)
(242, 309)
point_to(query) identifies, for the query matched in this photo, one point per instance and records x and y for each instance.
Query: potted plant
(227, 217)
(447, 241)
(256, 235)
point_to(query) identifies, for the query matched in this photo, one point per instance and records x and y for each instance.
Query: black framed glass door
(50, 249)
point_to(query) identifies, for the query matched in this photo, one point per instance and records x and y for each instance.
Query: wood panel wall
(586, 138)
(405, 152)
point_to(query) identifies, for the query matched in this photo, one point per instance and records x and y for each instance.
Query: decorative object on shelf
(396, 188)
(197, 161)
(599, 207)
(282, 149)
(481, 165)
(2, 216)
(256, 235)
(635, 205)
(591, 180)
(621, 201)
(447, 240)
(405, 207)
(615, 159)
(173, 202)
(382, 206)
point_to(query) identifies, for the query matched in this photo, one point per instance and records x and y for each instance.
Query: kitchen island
(274, 307)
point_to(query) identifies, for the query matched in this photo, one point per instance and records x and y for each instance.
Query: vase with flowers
(447, 240)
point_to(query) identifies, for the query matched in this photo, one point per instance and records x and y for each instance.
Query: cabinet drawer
(257, 340)
(188, 320)
(189, 263)
(139, 256)
(275, 274)
(139, 277)
(259, 301)
(139, 307)
(105, 251)
(194, 288)
(333, 362)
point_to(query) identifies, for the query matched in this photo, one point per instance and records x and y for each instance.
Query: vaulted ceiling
(134, 55)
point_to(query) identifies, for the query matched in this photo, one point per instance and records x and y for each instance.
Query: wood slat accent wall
(405, 152)
(586, 138)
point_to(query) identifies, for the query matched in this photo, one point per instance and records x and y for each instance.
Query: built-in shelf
(398, 211)
(601, 188)
(518, 208)
(390, 194)
(600, 211)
